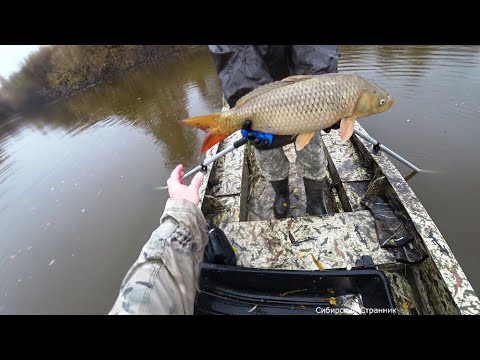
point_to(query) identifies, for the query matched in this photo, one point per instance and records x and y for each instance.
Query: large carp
(299, 105)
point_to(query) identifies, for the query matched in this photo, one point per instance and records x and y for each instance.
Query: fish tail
(209, 124)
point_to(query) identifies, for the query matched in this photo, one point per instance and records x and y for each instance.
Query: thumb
(197, 180)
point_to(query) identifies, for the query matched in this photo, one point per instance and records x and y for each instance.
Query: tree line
(53, 72)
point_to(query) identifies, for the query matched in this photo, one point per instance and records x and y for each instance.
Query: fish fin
(303, 139)
(213, 137)
(295, 78)
(205, 122)
(259, 91)
(209, 124)
(346, 128)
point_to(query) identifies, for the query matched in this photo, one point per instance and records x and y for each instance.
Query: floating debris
(253, 308)
(292, 239)
(51, 262)
(83, 211)
(293, 292)
(319, 265)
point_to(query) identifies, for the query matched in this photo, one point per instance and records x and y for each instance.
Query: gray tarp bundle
(390, 229)
(395, 230)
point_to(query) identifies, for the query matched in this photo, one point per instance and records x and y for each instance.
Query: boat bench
(334, 240)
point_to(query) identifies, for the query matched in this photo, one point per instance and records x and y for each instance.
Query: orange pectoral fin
(213, 137)
(303, 139)
(346, 128)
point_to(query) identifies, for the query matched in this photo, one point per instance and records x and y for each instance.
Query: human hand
(265, 141)
(335, 126)
(178, 190)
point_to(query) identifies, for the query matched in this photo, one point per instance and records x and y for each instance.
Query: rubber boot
(281, 204)
(314, 191)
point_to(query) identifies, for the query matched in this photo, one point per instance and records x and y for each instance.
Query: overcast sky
(11, 57)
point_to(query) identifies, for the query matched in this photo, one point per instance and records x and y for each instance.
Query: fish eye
(382, 102)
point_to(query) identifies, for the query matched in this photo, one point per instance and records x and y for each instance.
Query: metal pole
(210, 160)
(386, 149)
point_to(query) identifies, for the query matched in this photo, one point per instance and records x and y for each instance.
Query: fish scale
(311, 104)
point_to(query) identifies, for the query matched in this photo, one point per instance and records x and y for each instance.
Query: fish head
(373, 100)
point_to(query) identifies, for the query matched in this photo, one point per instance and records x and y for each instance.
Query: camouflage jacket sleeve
(163, 279)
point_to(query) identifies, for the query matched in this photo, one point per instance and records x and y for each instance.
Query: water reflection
(80, 175)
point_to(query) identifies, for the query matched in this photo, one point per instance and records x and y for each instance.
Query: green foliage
(58, 71)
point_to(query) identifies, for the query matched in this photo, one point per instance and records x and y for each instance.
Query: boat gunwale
(436, 246)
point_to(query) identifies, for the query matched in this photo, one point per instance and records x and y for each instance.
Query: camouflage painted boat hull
(425, 276)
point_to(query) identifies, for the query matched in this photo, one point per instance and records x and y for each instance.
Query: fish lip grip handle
(265, 138)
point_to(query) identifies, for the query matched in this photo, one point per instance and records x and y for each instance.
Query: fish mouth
(390, 101)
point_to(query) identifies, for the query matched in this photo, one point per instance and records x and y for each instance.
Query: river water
(77, 178)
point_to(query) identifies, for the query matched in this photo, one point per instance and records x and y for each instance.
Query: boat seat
(335, 240)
